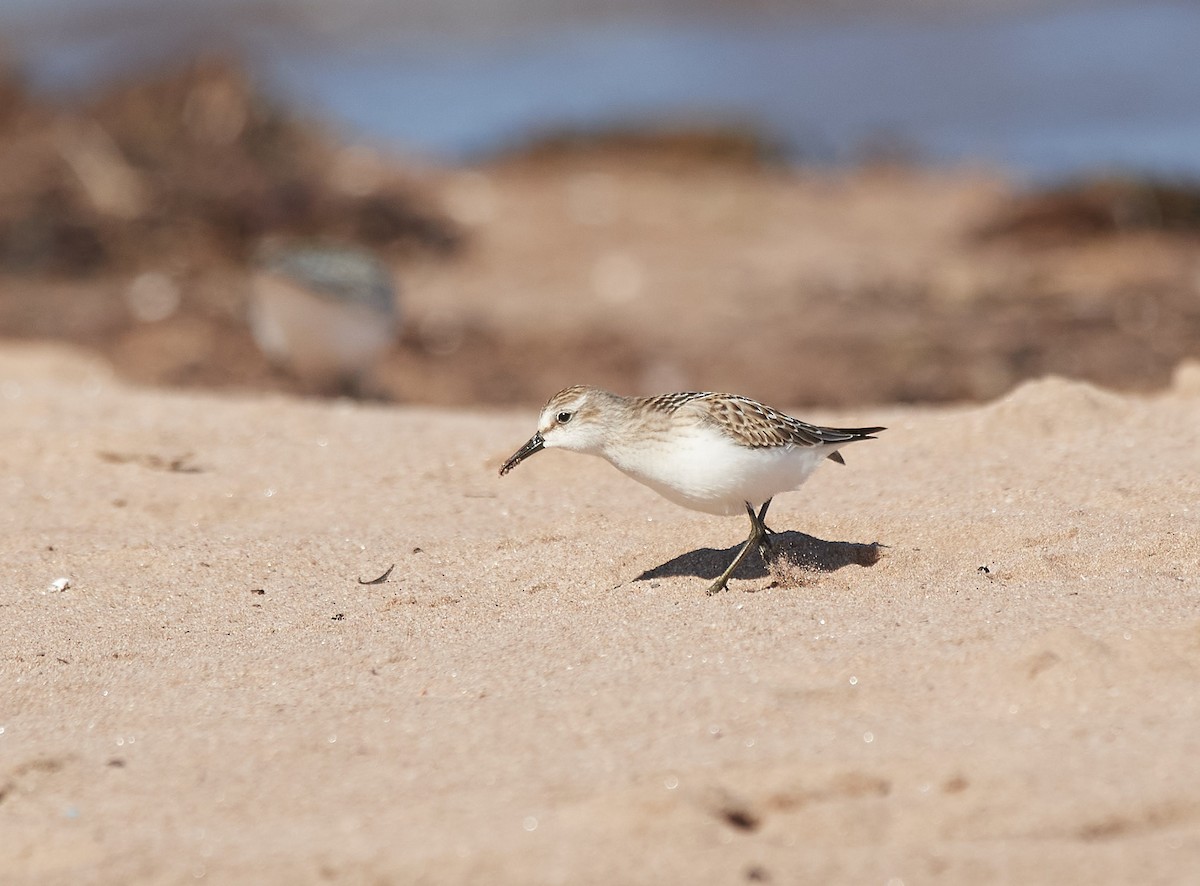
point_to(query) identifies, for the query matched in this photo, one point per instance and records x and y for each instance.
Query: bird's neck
(630, 428)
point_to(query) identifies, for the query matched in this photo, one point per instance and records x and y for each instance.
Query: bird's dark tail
(842, 436)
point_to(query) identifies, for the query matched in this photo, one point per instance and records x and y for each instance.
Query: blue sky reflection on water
(1045, 95)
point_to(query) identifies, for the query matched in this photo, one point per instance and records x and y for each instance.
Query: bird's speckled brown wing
(669, 403)
(754, 425)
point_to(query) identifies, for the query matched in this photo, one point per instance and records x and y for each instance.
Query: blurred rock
(326, 313)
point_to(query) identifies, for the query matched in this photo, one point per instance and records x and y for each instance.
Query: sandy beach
(253, 636)
(978, 665)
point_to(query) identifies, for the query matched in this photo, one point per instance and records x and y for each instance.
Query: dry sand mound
(1007, 694)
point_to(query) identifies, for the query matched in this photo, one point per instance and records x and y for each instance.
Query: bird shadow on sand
(790, 552)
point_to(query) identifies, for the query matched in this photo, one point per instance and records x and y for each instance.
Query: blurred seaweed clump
(191, 167)
(1098, 207)
(676, 148)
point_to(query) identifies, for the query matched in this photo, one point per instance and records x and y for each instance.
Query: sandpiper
(716, 453)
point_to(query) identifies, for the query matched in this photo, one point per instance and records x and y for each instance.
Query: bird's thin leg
(764, 544)
(756, 537)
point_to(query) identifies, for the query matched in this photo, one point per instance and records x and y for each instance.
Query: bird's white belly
(705, 471)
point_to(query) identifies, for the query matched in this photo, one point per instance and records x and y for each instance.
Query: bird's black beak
(535, 444)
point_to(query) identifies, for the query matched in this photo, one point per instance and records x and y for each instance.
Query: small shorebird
(716, 453)
(326, 312)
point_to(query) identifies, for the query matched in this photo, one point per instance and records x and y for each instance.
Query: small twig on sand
(381, 579)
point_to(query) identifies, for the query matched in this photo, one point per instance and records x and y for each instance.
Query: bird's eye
(563, 417)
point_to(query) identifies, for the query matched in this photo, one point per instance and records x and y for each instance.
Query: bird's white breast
(699, 468)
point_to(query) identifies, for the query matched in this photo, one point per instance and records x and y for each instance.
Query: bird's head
(572, 419)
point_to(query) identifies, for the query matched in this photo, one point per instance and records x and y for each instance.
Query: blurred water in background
(1043, 90)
